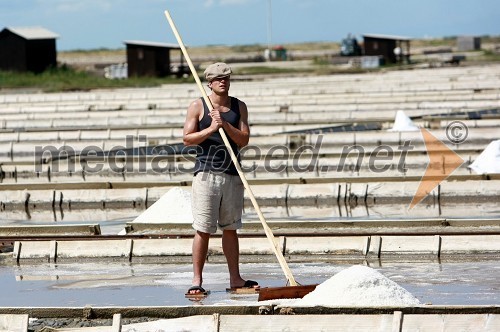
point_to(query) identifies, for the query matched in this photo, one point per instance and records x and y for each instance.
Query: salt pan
(358, 286)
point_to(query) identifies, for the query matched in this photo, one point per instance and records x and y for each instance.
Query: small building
(27, 49)
(468, 43)
(152, 59)
(393, 49)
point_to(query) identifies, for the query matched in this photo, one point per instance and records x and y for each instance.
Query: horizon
(443, 38)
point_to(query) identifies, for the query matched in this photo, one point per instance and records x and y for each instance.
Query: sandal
(200, 292)
(249, 285)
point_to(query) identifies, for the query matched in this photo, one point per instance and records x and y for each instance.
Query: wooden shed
(151, 59)
(393, 49)
(27, 49)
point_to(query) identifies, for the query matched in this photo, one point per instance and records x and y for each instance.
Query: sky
(92, 24)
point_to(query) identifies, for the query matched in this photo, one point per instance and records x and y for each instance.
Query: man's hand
(217, 121)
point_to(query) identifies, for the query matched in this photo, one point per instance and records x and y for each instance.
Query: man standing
(217, 191)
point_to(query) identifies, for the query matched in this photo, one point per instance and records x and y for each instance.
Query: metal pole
(269, 31)
(269, 26)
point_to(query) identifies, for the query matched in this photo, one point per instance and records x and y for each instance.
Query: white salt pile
(403, 123)
(172, 207)
(358, 286)
(488, 162)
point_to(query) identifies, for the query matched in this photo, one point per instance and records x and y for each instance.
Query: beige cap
(218, 69)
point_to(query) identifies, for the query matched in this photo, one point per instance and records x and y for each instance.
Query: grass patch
(486, 56)
(247, 48)
(262, 70)
(67, 79)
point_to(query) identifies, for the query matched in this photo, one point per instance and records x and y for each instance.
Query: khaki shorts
(217, 201)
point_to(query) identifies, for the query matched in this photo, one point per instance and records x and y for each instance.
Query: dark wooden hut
(27, 49)
(151, 59)
(393, 49)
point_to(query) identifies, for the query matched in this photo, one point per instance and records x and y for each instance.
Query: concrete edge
(90, 312)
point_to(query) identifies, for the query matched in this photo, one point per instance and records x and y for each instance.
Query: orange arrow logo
(442, 162)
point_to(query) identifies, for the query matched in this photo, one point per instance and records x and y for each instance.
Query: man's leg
(230, 246)
(200, 250)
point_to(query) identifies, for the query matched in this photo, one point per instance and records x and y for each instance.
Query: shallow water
(124, 284)
(135, 284)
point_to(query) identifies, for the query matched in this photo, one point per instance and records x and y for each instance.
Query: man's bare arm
(191, 135)
(240, 135)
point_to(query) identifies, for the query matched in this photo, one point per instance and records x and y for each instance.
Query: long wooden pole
(269, 233)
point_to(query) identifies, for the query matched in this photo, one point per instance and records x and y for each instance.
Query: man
(217, 191)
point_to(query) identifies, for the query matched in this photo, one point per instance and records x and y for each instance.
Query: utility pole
(269, 30)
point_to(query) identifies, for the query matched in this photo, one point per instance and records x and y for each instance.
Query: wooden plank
(200, 323)
(48, 230)
(33, 250)
(262, 181)
(319, 245)
(408, 244)
(445, 322)
(162, 247)
(397, 321)
(294, 323)
(12, 322)
(92, 249)
(326, 245)
(117, 323)
(468, 243)
(368, 225)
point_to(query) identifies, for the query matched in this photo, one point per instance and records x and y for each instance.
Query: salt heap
(358, 286)
(488, 162)
(403, 123)
(172, 207)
